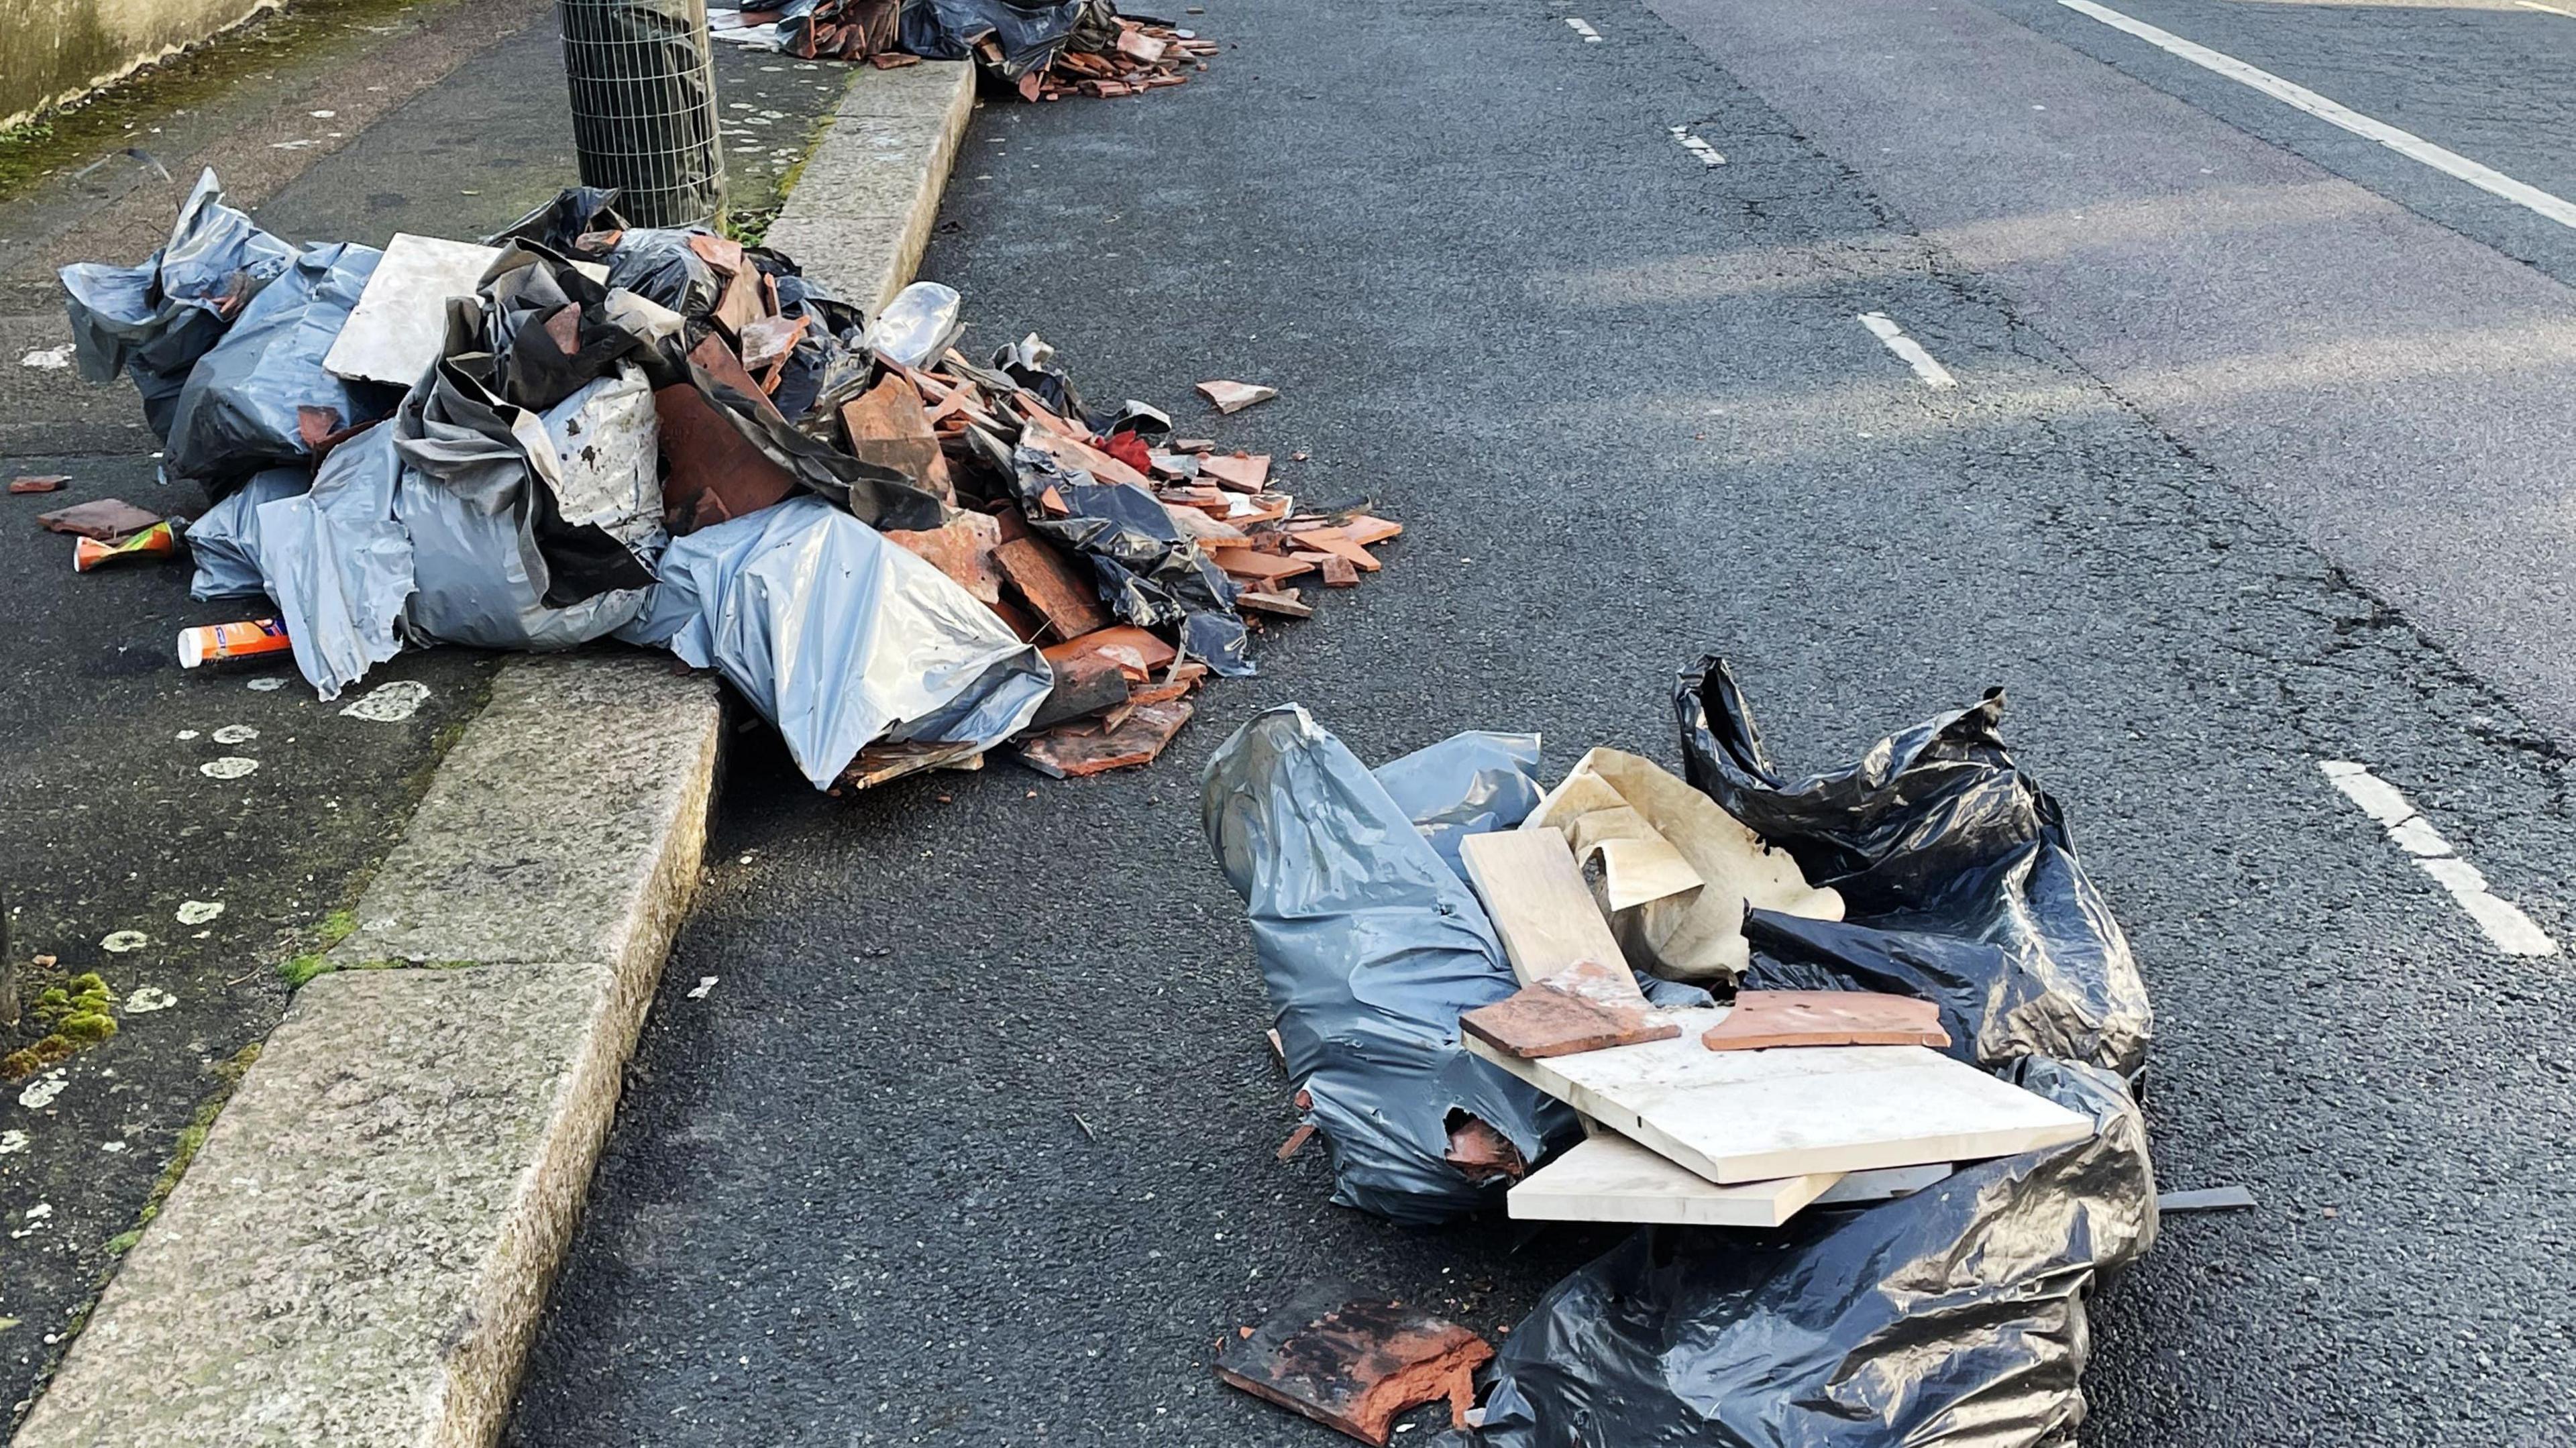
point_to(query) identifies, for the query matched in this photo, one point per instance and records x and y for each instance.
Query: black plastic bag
(1370, 947)
(1952, 1317)
(260, 397)
(659, 265)
(560, 225)
(1029, 34)
(1146, 571)
(1959, 880)
(153, 321)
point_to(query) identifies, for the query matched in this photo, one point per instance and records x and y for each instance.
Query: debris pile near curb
(1856, 1052)
(582, 430)
(1044, 50)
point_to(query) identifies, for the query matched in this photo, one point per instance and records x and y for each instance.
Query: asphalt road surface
(969, 1140)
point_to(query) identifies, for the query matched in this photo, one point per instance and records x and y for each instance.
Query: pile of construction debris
(1856, 1051)
(1042, 51)
(580, 430)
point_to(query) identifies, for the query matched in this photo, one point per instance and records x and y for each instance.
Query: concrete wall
(54, 50)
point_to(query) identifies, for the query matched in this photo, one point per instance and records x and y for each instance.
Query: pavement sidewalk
(346, 120)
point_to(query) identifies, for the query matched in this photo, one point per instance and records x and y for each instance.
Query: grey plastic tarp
(840, 638)
(1464, 785)
(241, 408)
(224, 540)
(339, 564)
(1951, 1318)
(153, 320)
(1370, 946)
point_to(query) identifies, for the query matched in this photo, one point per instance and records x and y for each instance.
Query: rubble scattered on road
(1856, 1051)
(39, 482)
(1038, 49)
(1233, 397)
(1355, 1363)
(583, 430)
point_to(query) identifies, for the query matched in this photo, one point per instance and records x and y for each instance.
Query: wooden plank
(1535, 895)
(1740, 1116)
(1608, 1178)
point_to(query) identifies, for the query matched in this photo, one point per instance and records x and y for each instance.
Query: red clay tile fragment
(1338, 572)
(1139, 652)
(962, 548)
(1480, 1153)
(1767, 1018)
(1561, 1017)
(1058, 588)
(1243, 472)
(1366, 531)
(887, 425)
(1284, 604)
(1074, 750)
(106, 519)
(1295, 1143)
(1084, 684)
(1353, 1364)
(39, 482)
(1262, 570)
(1236, 396)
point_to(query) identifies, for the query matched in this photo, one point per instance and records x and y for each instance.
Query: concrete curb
(361, 1252)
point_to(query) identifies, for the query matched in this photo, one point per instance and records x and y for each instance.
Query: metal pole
(644, 106)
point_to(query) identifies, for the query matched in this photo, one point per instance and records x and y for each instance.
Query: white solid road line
(1584, 28)
(1885, 329)
(2552, 9)
(2513, 932)
(2404, 143)
(1707, 153)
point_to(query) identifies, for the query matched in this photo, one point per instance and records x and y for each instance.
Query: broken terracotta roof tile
(1355, 1363)
(888, 426)
(1547, 1019)
(38, 482)
(1073, 750)
(962, 548)
(1236, 396)
(1765, 1018)
(106, 519)
(1243, 472)
(1338, 572)
(1138, 651)
(1059, 589)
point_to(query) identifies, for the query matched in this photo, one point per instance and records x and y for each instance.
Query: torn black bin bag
(1146, 571)
(835, 328)
(1370, 947)
(560, 225)
(659, 265)
(1029, 33)
(540, 331)
(1959, 880)
(152, 321)
(1030, 364)
(260, 397)
(1950, 1318)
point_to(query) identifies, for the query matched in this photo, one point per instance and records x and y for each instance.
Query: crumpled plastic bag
(260, 397)
(1146, 572)
(1029, 32)
(224, 540)
(1958, 876)
(1371, 947)
(1464, 785)
(1952, 1317)
(840, 638)
(339, 563)
(153, 320)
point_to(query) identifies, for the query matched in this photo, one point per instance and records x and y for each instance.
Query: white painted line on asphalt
(2552, 9)
(2405, 143)
(1707, 153)
(1885, 329)
(2506, 926)
(1584, 28)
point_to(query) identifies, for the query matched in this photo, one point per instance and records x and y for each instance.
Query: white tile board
(1608, 1178)
(1743, 1116)
(400, 322)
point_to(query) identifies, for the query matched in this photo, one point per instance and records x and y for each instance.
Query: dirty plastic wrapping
(1147, 573)
(339, 564)
(260, 397)
(224, 541)
(657, 264)
(560, 224)
(881, 497)
(1029, 32)
(1465, 785)
(924, 320)
(1370, 948)
(1958, 877)
(840, 638)
(154, 320)
(1954, 1316)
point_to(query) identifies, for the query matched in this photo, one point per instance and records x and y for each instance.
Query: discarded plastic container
(924, 320)
(231, 641)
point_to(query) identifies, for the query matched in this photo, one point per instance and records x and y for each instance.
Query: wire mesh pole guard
(644, 106)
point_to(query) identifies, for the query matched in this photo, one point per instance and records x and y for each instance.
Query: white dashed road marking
(2404, 143)
(1584, 28)
(1925, 366)
(1707, 153)
(2513, 932)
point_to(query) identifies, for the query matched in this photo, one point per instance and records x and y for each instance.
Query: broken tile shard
(1766, 1018)
(106, 519)
(1552, 1019)
(1354, 1363)
(1236, 396)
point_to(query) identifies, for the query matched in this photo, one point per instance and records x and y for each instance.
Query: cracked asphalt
(970, 1141)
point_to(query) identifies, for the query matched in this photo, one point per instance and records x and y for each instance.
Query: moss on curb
(228, 1075)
